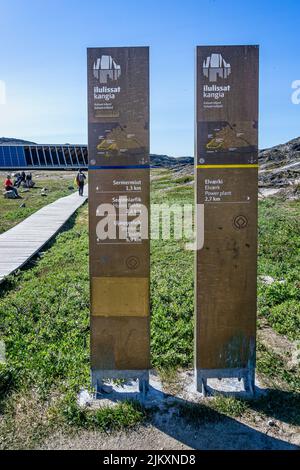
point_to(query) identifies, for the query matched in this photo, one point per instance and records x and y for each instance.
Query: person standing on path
(80, 181)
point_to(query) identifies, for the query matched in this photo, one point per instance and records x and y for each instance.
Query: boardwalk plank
(23, 241)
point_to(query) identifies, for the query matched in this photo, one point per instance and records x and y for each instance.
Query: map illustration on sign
(118, 141)
(227, 142)
(214, 67)
(105, 68)
(226, 136)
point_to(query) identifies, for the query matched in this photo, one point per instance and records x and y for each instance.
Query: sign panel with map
(226, 184)
(118, 132)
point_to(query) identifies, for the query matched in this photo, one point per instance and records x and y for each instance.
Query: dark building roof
(22, 157)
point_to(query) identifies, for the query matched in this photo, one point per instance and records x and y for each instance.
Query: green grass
(44, 323)
(279, 257)
(44, 316)
(122, 415)
(184, 179)
(285, 318)
(172, 305)
(198, 413)
(5, 381)
(279, 238)
(12, 214)
(172, 297)
(272, 366)
(212, 410)
(165, 190)
(230, 406)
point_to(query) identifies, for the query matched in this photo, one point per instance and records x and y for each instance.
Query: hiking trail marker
(118, 151)
(226, 184)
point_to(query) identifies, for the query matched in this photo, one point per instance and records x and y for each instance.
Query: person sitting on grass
(28, 181)
(17, 181)
(20, 179)
(8, 184)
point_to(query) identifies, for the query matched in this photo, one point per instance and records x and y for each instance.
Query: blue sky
(43, 62)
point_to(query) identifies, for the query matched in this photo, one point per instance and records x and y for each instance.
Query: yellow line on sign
(248, 165)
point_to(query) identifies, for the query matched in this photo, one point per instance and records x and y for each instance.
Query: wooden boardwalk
(23, 241)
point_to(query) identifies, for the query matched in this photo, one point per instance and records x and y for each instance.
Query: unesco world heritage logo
(240, 222)
(132, 262)
(106, 68)
(214, 67)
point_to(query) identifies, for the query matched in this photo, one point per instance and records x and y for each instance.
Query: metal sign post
(226, 182)
(118, 151)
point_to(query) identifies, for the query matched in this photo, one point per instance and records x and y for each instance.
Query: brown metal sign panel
(118, 257)
(118, 131)
(226, 181)
(119, 343)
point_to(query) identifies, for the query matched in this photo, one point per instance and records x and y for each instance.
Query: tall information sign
(118, 134)
(226, 180)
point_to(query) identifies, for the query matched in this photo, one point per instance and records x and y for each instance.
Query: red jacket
(8, 183)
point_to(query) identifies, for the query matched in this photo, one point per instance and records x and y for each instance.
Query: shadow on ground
(196, 425)
(279, 404)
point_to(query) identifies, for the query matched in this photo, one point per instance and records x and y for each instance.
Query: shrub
(285, 318)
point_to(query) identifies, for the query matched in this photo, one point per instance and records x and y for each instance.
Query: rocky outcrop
(11, 140)
(165, 161)
(279, 168)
